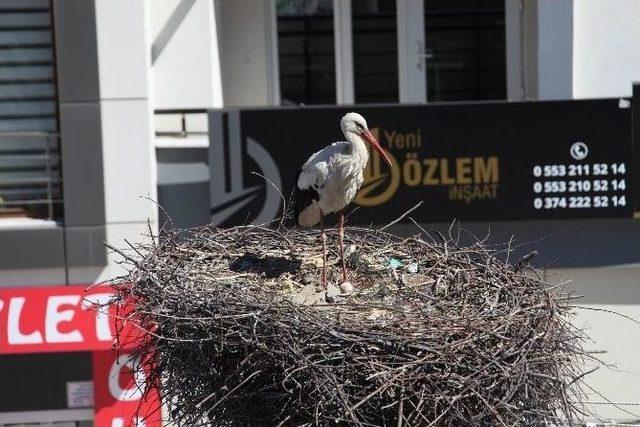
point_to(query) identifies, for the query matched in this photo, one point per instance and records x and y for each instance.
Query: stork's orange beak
(376, 146)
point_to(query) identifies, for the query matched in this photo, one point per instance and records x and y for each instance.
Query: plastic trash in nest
(288, 285)
(395, 263)
(350, 251)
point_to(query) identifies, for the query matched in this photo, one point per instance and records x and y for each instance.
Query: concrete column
(555, 49)
(128, 155)
(247, 35)
(343, 42)
(412, 65)
(539, 49)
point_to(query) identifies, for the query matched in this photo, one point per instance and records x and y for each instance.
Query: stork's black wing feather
(303, 198)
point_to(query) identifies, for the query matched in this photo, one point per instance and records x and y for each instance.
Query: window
(375, 51)
(465, 49)
(30, 184)
(462, 42)
(37, 382)
(306, 51)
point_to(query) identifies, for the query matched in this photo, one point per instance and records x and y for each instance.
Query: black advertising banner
(635, 120)
(475, 161)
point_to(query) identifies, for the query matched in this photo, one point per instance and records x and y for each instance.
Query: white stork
(331, 178)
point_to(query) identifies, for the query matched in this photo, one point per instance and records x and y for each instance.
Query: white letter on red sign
(139, 379)
(54, 318)
(119, 422)
(14, 334)
(103, 329)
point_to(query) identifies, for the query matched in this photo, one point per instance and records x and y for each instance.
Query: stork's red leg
(324, 251)
(341, 238)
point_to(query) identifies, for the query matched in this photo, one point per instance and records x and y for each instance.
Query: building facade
(102, 115)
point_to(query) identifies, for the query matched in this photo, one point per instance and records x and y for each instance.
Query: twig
(401, 217)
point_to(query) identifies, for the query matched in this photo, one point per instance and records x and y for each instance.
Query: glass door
(465, 50)
(375, 51)
(306, 52)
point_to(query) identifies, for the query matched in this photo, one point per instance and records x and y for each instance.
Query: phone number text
(579, 202)
(579, 186)
(596, 169)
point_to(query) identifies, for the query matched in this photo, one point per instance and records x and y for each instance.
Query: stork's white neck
(358, 148)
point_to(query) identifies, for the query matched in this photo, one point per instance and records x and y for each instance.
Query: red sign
(71, 318)
(120, 393)
(56, 319)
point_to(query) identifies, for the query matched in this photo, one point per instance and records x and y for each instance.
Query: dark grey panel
(84, 246)
(36, 382)
(81, 147)
(187, 205)
(182, 155)
(560, 243)
(76, 50)
(635, 121)
(31, 248)
(606, 291)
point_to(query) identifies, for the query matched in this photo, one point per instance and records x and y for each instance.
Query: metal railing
(30, 176)
(179, 126)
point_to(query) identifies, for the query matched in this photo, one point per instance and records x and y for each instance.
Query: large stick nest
(242, 332)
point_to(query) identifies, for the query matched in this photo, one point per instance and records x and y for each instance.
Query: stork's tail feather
(309, 216)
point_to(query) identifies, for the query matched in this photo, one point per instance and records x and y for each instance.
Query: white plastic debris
(346, 287)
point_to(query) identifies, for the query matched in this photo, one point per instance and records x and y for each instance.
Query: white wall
(184, 54)
(564, 49)
(607, 290)
(606, 61)
(606, 56)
